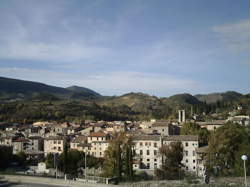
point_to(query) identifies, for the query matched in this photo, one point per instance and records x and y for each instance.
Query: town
(42, 144)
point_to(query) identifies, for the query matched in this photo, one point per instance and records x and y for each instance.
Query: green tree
(172, 156)
(49, 161)
(21, 158)
(225, 147)
(195, 129)
(6, 155)
(118, 160)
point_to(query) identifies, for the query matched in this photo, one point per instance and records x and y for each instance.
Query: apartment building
(190, 143)
(147, 147)
(54, 145)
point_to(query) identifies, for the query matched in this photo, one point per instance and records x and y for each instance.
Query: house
(77, 142)
(97, 136)
(7, 141)
(212, 125)
(54, 145)
(35, 143)
(19, 145)
(241, 120)
(201, 153)
(98, 148)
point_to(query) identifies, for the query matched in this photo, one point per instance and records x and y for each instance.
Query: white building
(147, 151)
(190, 143)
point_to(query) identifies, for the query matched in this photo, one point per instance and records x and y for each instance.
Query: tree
(21, 158)
(172, 156)
(49, 161)
(6, 155)
(128, 170)
(119, 158)
(225, 147)
(195, 129)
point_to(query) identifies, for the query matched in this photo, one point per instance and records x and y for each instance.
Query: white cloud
(24, 50)
(108, 83)
(235, 35)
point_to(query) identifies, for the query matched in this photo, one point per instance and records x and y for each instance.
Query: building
(241, 120)
(201, 153)
(147, 147)
(190, 143)
(20, 145)
(98, 148)
(97, 136)
(182, 116)
(212, 125)
(54, 145)
(78, 142)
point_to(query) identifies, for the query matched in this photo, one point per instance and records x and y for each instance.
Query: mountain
(14, 88)
(136, 101)
(83, 91)
(215, 97)
(183, 99)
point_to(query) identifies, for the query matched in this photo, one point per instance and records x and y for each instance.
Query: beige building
(212, 125)
(201, 160)
(78, 142)
(54, 145)
(98, 148)
(97, 137)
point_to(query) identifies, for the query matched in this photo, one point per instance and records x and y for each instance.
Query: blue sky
(160, 47)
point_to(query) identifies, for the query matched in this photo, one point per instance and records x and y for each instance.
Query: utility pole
(86, 164)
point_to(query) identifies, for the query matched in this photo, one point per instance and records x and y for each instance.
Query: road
(30, 185)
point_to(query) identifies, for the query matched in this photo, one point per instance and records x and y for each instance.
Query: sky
(159, 47)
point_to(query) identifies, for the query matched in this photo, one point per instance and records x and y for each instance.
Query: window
(186, 152)
(155, 160)
(186, 160)
(141, 152)
(59, 148)
(54, 141)
(59, 142)
(193, 161)
(186, 168)
(155, 144)
(155, 152)
(193, 167)
(148, 160)
(193, 153)
(140, 143)
(147, 152)
(186, 144)
(148, 165)
(146, 143)
(54, 148)
(162, 130)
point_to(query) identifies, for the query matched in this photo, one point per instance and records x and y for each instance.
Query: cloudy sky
(160, 47)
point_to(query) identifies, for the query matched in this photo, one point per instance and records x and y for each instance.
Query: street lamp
(244, 158)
